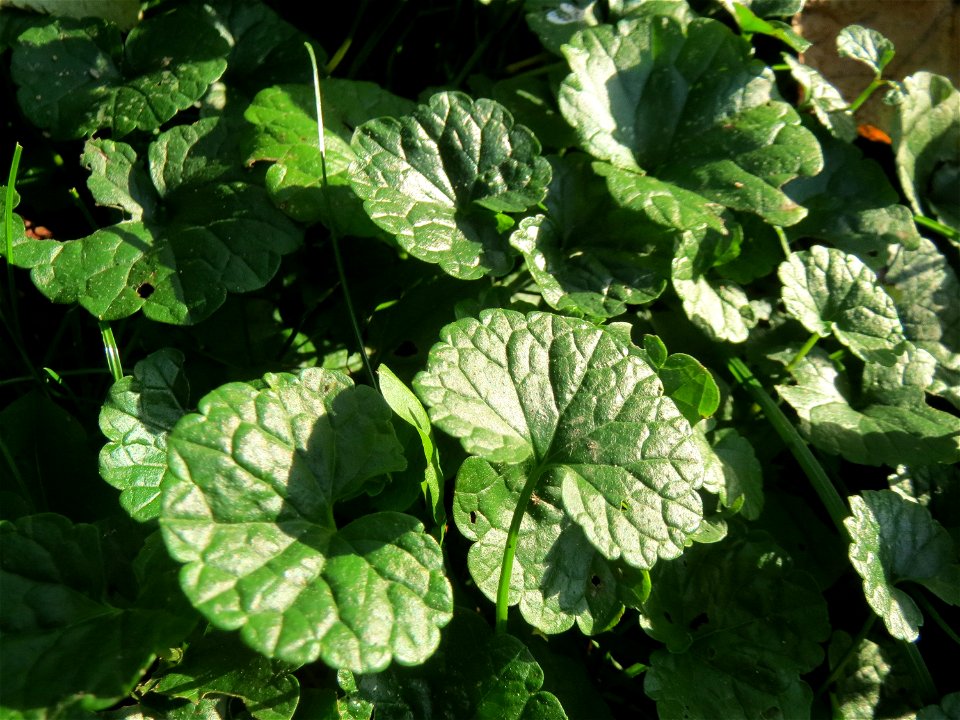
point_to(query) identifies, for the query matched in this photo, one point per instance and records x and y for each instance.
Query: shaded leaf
(123, 13)
(893, 540)
(824, 99)
(248, 506)
(664, 111)
(115, 180)
(733, 472)
(436, 180)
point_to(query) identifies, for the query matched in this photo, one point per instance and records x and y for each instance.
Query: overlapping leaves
(248, 506)
(579, 411)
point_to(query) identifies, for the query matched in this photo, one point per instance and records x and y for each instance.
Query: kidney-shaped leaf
(690, 106)
(248, 506)
(584, 406)
(896, 539)
(437, 178)
(832, 292)
(138, 415)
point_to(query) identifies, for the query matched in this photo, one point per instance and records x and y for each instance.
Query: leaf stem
(930, 610)
(8, 235)
(937, 227)
(334, 234)
(111, 350)
(784, 242)
(802, 352)
(814, 471)
(921, 674)
(510, 549)
(867, 92)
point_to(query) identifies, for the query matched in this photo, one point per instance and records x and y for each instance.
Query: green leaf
(405, 404)
(160, 707)
(558, 578)
(875, 682)
(833, 293)
(925, 288)
(733, 472)
(248, 505)
(852, 206)
(190, 156)
(866, 46)
(474, 674)
(286, 133)
(53, 581)
(137, 417)
(740, 626)
(717, 306)
(691, 386)
(751, 23)
(555, 22)
(874, 435)
(585, 408)
(220, 238)
(122, 13)
(670, 112)
(116, 180)
(437, 178)
(586, 255)
(824, 99)
(219, 664)
(948, 709)
(74, 77)
(894, 540)
(926, 139)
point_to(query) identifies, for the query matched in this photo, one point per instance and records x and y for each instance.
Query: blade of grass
(8, 234)
(111, 351)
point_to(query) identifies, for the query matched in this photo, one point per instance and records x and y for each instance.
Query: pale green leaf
(877, 434)
(926, 139)
(669, 111)
(583, 405)
(248, 506)
(716, 305)
(894, 540)
(558, 578)
(115, 180)
(137, 417)
(867, 46)
(875, 682)
(437, 179)
(833, 293)
(824, 99)
(733, 472)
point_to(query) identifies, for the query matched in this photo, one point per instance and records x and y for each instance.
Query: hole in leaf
(697, 622)
(473, 517)
(145, 290)
(596, 581)
(406, 349)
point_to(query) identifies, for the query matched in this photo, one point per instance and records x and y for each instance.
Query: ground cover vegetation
(584, 363)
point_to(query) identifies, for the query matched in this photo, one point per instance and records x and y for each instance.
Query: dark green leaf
(115, 180)
(437, 178)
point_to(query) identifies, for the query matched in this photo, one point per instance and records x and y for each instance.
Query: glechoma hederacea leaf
(137, 417)
(286, 133)
(583, 408)
(647, 94)
(896, 540)
(833, 293)
(437, 178)
(54, 583)
(866, 46)
(248, 506)
(75, 77)
(740, 626)
(473, 674)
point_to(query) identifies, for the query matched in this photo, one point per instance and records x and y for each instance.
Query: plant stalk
(111, 350)
(802, 352)
(921, 674)
(930, 610)
(510, 549)
(8, 235)
(814, 471)
(938, 227)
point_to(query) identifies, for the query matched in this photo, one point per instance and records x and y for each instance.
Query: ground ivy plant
(524, 359)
